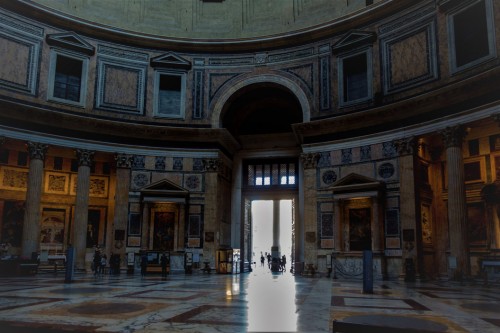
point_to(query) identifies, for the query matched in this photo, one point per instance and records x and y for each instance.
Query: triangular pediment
(70, 40)
(354, 182)
(170, 60)
(164, 188)
(354, 39)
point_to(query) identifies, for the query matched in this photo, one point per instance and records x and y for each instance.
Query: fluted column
(85, 159)
(457, 209)
(123, 163)
(275, 249)
(31, 227)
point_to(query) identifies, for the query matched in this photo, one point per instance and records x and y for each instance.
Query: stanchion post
(70, 264)
(367, 272)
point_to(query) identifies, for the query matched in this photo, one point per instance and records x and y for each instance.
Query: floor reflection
(271, 301)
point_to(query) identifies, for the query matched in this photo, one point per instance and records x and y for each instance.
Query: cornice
(374, 13)
(25, 117)
(454, 98)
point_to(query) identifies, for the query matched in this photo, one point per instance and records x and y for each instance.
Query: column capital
(453, 136)
(123, 160)
(310, 160)
(405, 146)
(85, 157)
(212, 164)
(36, 150)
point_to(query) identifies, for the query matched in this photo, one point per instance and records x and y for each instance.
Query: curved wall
(405, 57)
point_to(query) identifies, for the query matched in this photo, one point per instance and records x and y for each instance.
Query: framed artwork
(98, 186)
(134, 224)
(474, 170)
(477, 227)
(12, 222)
(164, 230)
(13, 179)
(96, 225)
(360, 235)
(134, 241)
(56, 183)
(52, 229)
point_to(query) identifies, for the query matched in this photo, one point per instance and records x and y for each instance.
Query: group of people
(164, 262)
(274, 264)
(100, 262)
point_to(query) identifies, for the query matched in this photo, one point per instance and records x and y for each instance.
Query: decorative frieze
(85, 157)
(453, 136)
(36, 150)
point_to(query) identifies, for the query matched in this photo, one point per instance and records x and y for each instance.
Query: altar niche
(164, 227)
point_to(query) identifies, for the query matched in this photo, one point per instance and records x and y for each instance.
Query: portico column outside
(31, 227)
(275, 249)
(457, 209)
(85, 159)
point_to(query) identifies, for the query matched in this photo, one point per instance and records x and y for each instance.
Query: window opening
(67, 81)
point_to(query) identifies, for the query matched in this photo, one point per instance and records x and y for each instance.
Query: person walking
(164, 263)
(144, 264)
(96, 263)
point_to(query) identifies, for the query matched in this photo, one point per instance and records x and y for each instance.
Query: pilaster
(309, 163)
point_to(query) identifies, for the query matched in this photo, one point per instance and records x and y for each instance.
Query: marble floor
(259, 301)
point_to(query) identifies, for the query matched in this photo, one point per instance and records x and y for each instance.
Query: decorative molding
(85, 157)
(170, 60)
(412, 18)
(36, 150)
(234, 61)
(123, 160)
(305, 74)
(24, 27)
(353, 40)
(72, 41)
(429, 69)
(216, 81)
(122, 54)
(198, 93)
(496, 117)
(324, 83)
(405, 146)
(25, 58)
(310, 161)
(453, 136)
(287, 56)
(136, 104)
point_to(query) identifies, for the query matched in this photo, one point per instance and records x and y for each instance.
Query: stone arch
(234, 85)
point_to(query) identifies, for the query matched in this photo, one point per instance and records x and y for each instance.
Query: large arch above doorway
(224, 95)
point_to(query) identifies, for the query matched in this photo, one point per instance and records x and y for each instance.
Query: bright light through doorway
(262, 227)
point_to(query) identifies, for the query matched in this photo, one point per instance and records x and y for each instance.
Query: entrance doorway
(265, 234)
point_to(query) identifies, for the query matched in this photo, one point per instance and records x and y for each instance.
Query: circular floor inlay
(396, 322)
(488, 307)
(106, 308)
(81, 290)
